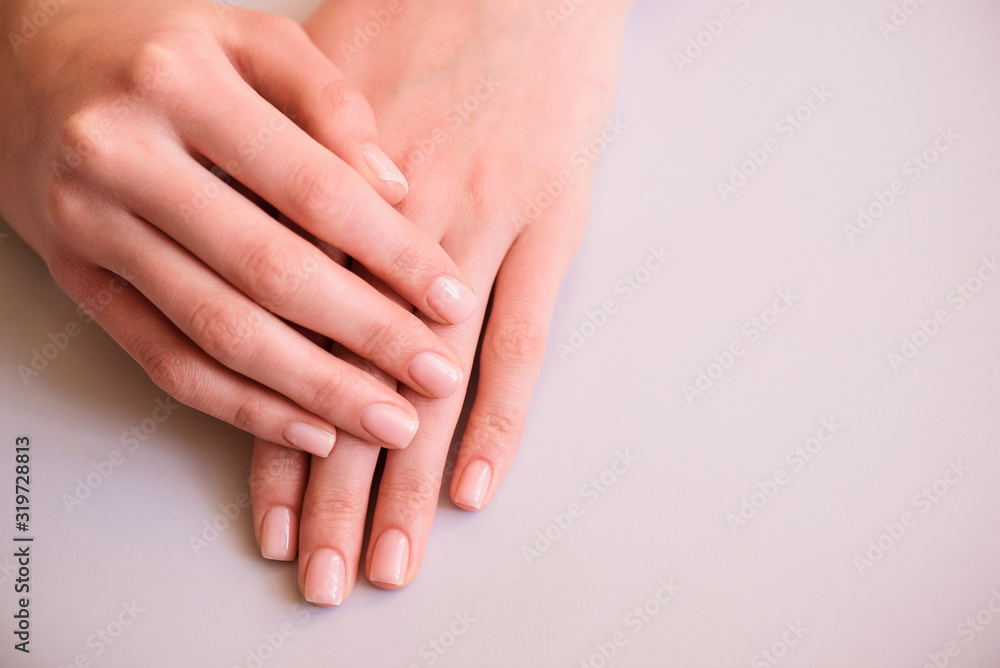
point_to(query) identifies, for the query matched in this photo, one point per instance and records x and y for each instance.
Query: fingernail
(277, 540)
(435, 374)
(386, 170)
(324, 583)
(389, 424)
(392, 551)
(474, 484)
(451, 299)
(312, 439)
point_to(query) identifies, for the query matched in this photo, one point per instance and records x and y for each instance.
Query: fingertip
(310, 438)
(473, 485)
(390, 180)
(451, 300)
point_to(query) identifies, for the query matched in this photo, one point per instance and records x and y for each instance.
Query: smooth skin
(113, 110)
(554, 87)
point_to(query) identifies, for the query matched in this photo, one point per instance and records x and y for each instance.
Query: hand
(488, 109)
(110, 115)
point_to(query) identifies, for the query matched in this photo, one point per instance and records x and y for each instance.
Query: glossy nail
(386, 171)
(473, 485)
(312, 439)
(392, 551)
(435, 374)
(324, 582)
(389, 424)
(277, 534)
(451, 299)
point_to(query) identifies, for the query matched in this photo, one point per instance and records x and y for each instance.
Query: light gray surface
(665, 517)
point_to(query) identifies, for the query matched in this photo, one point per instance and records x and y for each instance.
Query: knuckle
(168, 370)
(87, 139)
(328, 397)
(277, 468)
(493, 432)
(224, 330)
(390, 339)
(343, 505)
(411, 493)
(518, 341)
(273, 277)
(406, 267)
(249, 414)
(65, 210)
(349, 102)
(152, 67)
(317, 195)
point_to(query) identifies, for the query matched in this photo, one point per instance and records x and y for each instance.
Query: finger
(279, 161)
(409, 488)
(277, 268)
(333, 521)
(276, 57)
(252, 342)
(510, 360)
(277, 483)
(184, 371)
(336, 505)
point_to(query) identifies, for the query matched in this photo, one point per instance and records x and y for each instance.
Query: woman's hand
(112, 111)
(492, 113)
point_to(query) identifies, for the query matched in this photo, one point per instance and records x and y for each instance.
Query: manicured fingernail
(435, 374)
(386, 170)
(277, 534)
(474, 484)
(392, 551)
(312, 439)
(324, 583)
(451, 299)
(389, 424)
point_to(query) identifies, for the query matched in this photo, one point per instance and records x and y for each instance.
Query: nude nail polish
(451, 299)
(386, 170)
(435, 374)
(473, 485)
(389, 560)
(324, 582)
(311, 439)
(389, 424)
(277, 534)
